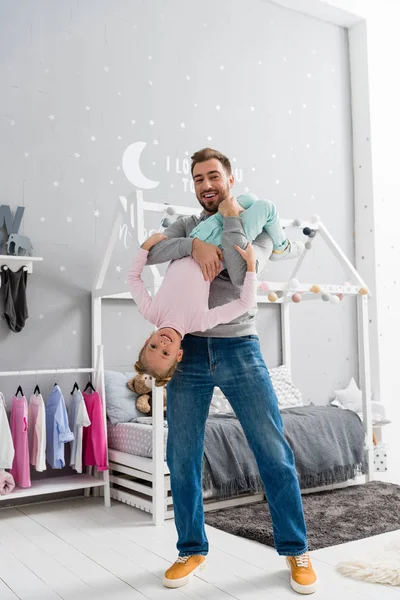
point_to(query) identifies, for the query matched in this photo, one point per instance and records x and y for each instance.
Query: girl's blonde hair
(160, 379)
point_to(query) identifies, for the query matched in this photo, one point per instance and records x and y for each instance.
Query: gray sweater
(226, 287)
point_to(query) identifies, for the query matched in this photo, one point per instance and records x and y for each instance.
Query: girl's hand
(154, 239)
(249, 255)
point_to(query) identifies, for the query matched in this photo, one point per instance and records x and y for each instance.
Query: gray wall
(82, 80)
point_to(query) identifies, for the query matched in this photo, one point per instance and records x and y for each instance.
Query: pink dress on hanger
(19, 430)
(94, 437)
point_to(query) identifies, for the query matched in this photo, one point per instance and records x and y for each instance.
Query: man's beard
(212, 208)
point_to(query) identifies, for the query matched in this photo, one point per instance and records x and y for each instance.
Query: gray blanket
(328, 445)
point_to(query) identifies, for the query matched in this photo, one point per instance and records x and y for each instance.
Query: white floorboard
(79, 550)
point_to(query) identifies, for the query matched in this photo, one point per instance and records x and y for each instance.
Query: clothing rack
(86, 481)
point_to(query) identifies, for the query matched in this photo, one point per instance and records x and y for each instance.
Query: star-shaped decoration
(42, 219)
(188, 77)
(93, 138)
(56, 183)
(155, 142)
(62, 268)
(69, 219)
(51, 117)
(253, 168)
(87, 108)
(195, 105)
(151, 122)
(77, 155)
(209, 138)
(81, 180)
(218, 107)
(96, 213)
(252, 108)
(309, 75)
(183, 125)
(118, 269)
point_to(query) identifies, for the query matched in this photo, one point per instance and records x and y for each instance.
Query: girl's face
(163, 350)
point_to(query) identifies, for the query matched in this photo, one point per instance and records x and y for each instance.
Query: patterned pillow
(288, 394)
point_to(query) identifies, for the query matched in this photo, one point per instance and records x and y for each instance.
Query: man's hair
(209, 153)
(160, 379)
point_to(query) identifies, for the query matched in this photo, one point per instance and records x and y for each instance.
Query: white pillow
(219, 403)
(350, 397)
(288, 394)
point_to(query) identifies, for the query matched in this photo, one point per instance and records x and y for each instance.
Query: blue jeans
(237, 367)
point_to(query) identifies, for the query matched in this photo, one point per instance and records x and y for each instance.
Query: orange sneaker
(303, 579)
(183, 569)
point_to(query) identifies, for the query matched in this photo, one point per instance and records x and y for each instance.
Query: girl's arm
(136, 283)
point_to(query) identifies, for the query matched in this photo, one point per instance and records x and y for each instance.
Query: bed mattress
(133, 438)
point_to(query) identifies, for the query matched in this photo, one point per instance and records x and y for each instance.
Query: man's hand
(208, 257)
(153, 240)
(230, 207)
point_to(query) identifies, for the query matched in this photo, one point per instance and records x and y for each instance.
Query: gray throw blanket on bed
(328, 444)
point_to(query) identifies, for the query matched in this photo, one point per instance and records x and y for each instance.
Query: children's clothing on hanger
(19, 430)
(94, 437)
(57, 428)
(78, 419)
(15, 305)
(6, 442)
(37, 432)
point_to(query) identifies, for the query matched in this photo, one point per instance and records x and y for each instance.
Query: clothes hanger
(36, 390)
(89, 384)
(76, 387)
(19, 391)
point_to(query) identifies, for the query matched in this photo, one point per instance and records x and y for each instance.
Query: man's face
(212, 184)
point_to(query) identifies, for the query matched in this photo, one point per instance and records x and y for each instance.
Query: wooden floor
(79, 550)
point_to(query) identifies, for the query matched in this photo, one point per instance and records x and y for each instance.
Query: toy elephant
(19, 241)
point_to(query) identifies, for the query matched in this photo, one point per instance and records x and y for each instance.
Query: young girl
(181, 306)
(257, 215)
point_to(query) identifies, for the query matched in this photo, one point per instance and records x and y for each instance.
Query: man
(229, 357)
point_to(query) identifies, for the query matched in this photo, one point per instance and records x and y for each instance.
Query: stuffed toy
(142, 385)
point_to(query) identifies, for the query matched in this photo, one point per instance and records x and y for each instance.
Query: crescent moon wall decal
(131, 167)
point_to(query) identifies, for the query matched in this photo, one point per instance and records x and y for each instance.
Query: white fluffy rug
(376, 568)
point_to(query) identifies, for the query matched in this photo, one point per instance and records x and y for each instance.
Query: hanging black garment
(15, 305)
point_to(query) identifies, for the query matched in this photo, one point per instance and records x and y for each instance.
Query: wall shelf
(16, 262)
